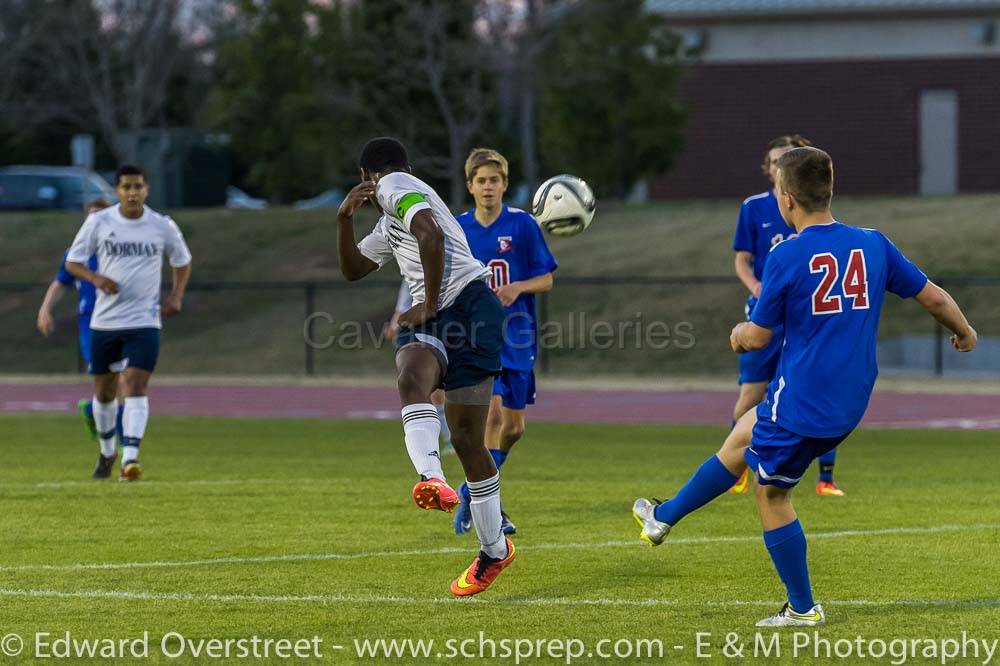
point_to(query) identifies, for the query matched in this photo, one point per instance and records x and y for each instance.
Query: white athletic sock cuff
(418, 412)
(140, 401)
(483, 490)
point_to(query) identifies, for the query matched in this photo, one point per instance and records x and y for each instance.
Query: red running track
(887, 410)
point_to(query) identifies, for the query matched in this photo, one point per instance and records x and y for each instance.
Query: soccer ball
(564, 205)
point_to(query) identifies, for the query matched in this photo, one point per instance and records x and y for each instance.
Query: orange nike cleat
(743, 484)
(481, 573)
(828, 489)
(435, 494)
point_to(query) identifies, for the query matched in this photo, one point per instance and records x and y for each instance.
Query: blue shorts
(467, 335)
(516, 388)
(83, 324)
(762, 365)
(113, 351)
(781, 458)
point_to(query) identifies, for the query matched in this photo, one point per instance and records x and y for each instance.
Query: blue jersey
(87, 291)
(826, 286)
(759, 228)
(514, 250)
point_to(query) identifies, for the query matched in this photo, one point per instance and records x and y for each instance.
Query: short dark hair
(128, 170)
(383, 153)
(783, 141)
(97, 203)
(807, 175)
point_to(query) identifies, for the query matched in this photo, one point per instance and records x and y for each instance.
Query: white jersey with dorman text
(131, 253)
(401, 196)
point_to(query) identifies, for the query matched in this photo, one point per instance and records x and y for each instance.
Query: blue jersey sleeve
(903, 278)
(770, 309)
(63, 276)
(745, 239)
(540, 259)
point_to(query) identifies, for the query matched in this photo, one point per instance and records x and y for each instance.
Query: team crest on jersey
(506, 243)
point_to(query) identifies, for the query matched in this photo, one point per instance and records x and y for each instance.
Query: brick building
(905, 94)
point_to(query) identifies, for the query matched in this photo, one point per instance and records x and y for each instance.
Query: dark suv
(51, 188)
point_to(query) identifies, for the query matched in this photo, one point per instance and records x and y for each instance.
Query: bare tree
(109, 63)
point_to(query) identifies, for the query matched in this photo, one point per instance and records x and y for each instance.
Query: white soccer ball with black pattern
(564, 205)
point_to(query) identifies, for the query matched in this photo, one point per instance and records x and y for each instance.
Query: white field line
(602, 545)
(178, 482)
(538, 601)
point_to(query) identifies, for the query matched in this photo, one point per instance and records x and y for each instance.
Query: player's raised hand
(415, 316)
(356, 198)
(966, 342)
(106, 284)
(46, 324)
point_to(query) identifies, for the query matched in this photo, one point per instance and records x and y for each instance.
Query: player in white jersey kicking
(130, 241)
(451, 338)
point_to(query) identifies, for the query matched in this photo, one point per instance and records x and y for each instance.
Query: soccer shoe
(482, 572)
(435, 494)
(88, 416)
(828, 489)
(506, 526)
(131, 471)
(463, 516)
(653, 531)
(743, 484)
(103, 468)
(787, 617)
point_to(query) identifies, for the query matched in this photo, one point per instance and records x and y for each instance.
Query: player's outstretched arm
(748, 336)
(353, 264)
(81, 272)
(46, 323)
(943, 307)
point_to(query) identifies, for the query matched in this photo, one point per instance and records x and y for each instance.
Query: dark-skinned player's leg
(418, 373)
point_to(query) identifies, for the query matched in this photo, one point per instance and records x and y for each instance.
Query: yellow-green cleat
(653, 531)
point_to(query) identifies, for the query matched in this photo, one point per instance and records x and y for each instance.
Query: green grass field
(290, 529)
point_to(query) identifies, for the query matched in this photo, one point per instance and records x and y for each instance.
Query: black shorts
(467, 336)
(113, 351)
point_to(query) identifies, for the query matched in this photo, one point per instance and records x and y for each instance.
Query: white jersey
(404, 299)
(130, 252)
(401, 196)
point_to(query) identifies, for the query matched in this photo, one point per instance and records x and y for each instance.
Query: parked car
(51, 188)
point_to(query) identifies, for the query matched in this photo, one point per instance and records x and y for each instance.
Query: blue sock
(787, 546)
(463, 492)
(826, 462)
(498, 457)
(88, 409)
(711, 480)
(119, 428)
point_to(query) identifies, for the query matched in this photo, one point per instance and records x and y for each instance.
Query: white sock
(421, 429)
(445, 430)
(134, 426)
(106, 417)
(485, 508)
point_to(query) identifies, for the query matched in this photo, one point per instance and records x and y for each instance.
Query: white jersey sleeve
(85, 244)
(398, 198)
(176, 249)
(375, 246)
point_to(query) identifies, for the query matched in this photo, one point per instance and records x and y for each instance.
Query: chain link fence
(616, 326)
